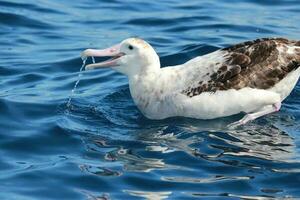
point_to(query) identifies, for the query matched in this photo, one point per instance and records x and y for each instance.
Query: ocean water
(101, 146)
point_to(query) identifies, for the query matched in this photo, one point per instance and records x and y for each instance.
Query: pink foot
(252, 116)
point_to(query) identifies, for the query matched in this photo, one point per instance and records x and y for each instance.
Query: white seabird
(252, 77)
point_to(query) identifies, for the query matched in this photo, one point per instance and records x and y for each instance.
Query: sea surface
(100, 146)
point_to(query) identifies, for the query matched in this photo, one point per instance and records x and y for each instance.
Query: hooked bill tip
(83, 55)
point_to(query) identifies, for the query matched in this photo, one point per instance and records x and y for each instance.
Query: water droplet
(76, 83)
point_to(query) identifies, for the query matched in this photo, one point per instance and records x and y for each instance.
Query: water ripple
(101, 146)
(16, 20)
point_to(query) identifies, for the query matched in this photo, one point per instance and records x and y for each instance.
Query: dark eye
(130, 47)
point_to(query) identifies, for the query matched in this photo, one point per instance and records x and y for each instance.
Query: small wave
(17, 20)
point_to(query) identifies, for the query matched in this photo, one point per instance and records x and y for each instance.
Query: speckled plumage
(252, 77)
(256, 64)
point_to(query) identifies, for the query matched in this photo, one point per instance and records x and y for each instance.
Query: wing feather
(256, 64)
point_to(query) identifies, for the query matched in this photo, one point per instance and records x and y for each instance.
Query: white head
(132, 56)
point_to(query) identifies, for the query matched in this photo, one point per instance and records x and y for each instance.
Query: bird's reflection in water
(254, 140)
(260, 141)
(265, 141)
(184, 149)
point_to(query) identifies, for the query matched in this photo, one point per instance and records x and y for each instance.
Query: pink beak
(113, 52)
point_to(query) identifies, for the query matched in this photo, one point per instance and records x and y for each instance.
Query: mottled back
(256, 64)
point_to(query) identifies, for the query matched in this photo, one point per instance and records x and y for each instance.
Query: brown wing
(256, 64)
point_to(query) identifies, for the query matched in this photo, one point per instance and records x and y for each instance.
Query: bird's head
(132, 56)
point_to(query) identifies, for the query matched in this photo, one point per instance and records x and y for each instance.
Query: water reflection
(135, 162)
(254, 140)
(233, 196)
(149, 195)
(261, 141)
(204, 180)
(91, 196)
(187, 152)
(266, 142)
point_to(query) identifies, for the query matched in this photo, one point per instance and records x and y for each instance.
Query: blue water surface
(101, 146)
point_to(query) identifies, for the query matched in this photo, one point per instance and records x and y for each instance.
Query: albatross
(253, 77)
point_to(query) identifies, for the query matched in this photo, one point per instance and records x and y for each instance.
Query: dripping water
(77, 82)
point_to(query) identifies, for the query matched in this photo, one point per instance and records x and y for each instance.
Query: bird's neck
(144, 90)
(144, 72)
(144, 79)
(144, 82)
